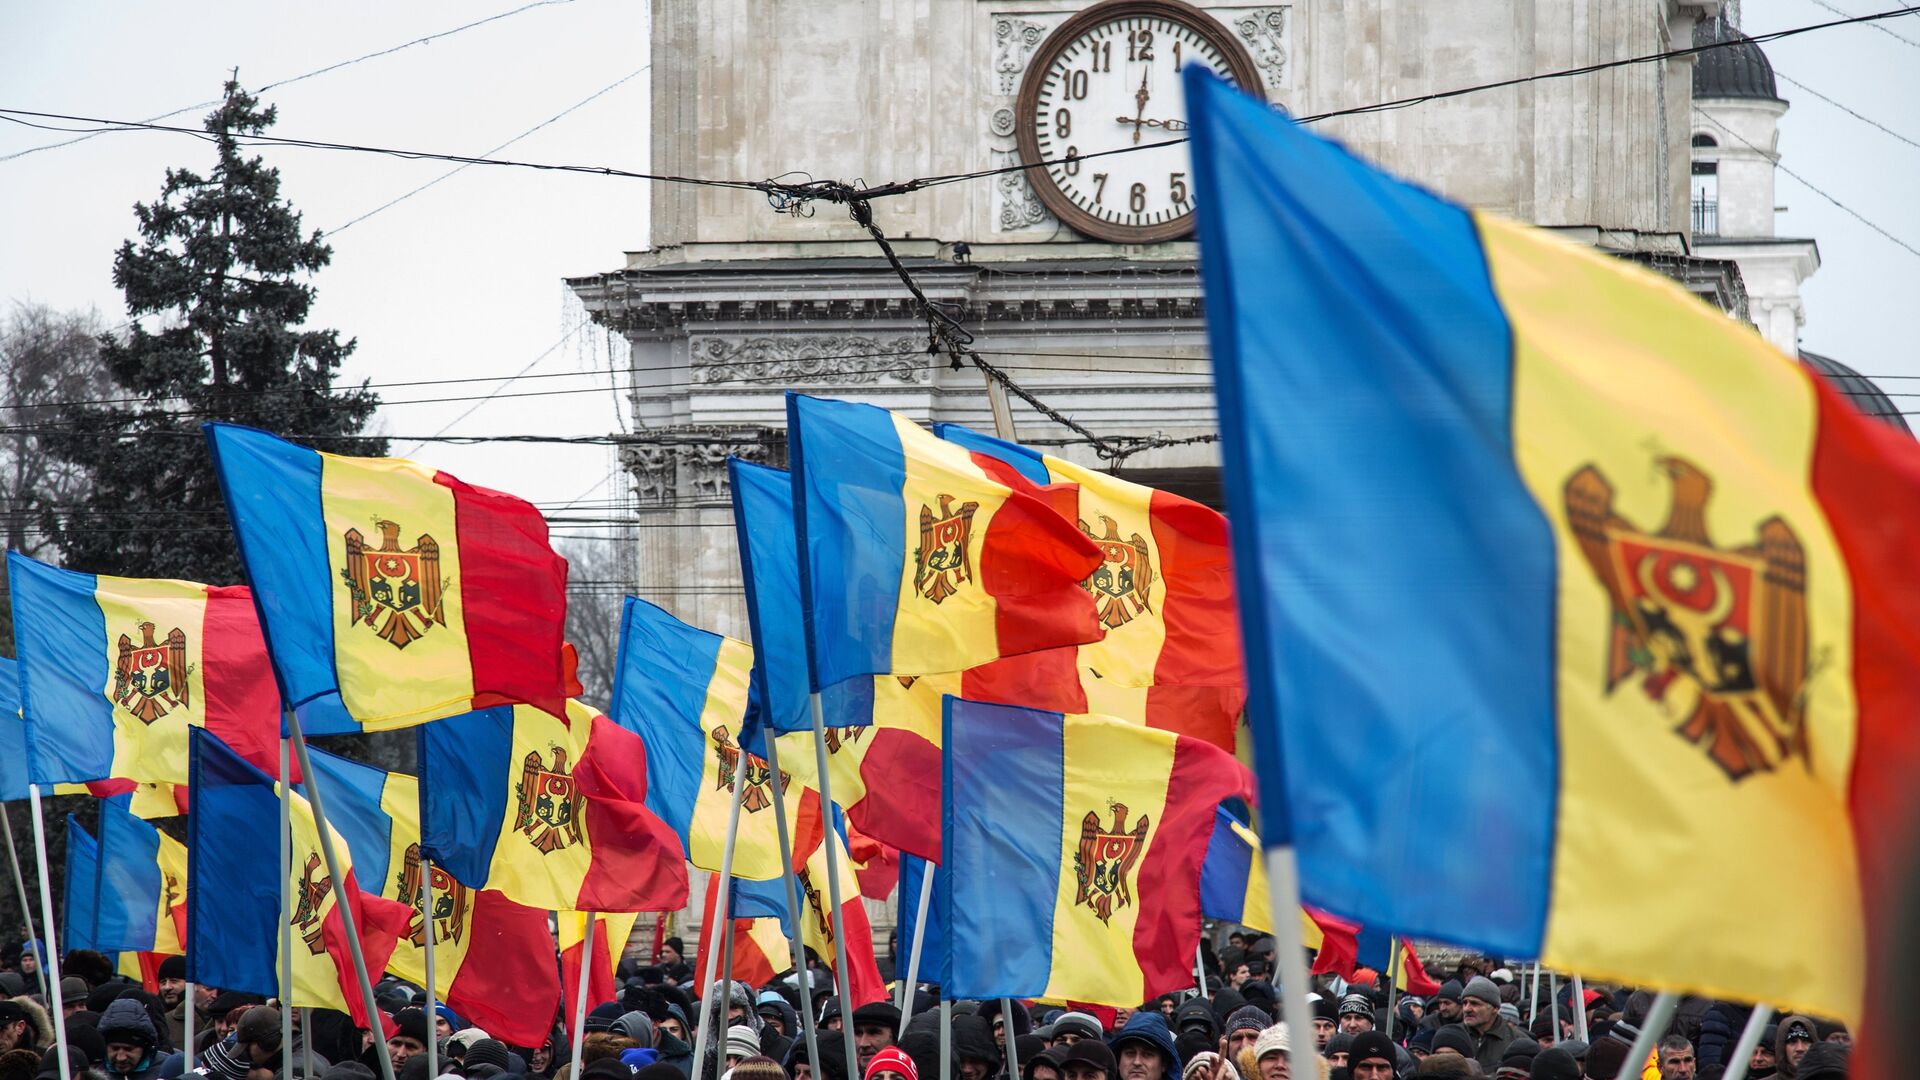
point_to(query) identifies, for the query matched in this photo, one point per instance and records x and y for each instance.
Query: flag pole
(1659, 1015)
(426, 922)
(306, 1042)
(808, 1025)
(49, 947)
(286, 895)
(1199, 970)
(348, 923)
(1553, 1003)
(1006, 1027)
(1394, 945)
(722, 913)
(1283, 877)
(1533, 998)
(187, 1035)
(1749, 1039)
(842, 974)
(1579, 1009)
(927, 870)
(20, 887)
(580, 993)
(946, 1036)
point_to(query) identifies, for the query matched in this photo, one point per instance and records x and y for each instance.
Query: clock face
(1109, 78)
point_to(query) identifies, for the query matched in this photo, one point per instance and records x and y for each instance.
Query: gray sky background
(463, 279)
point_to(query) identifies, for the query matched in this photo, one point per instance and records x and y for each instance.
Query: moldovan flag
(1163, 592)
(140, 899)
(1233, 888)
(1513, 512)
(493, 958)
(915, 559)
(760, 948)
(816, 919)
(549, 811)
(883, 733)
(610, 934)
(684, 691)
(233, 892)
(1073, 847)
(393, 593)
(82, 888)
(114, 671)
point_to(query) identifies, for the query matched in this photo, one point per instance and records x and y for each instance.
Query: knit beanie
(487, 1052)
(1449, 991)
(1371, 1046)
(413, 1024)
(1272, 1040)
(173, 967)
(742, 1041)
(1453, 1037)
(1554, 1063)
(1244, 1018)
(1482, 988)
(893, 1060)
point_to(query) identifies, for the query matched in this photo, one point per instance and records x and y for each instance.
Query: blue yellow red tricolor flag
(1653, 580)
(1233, 888)
(550, 811)
(114, 671)
(233, 892)
(82, 886)
(1163, 592)
(493, 959)
(140, 898)
(883, 736)
(1073, 847)
(684, 691)
(915, 559)
(393, 593)
(757, 899)
(610, 933)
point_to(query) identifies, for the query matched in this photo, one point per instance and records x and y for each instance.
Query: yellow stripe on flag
(1118, 511)
(942, 482)
(133, 607)
(172, 860)
(756, 849)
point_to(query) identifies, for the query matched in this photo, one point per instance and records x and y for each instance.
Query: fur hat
(1272, 1040)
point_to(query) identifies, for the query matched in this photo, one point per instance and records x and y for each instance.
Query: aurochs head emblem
(394, 590)
(941, 562)
(150, 678)
(551, 804)
(1104, 863)
(1717, 636)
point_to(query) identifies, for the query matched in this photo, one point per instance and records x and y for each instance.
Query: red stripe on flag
(380, 923)
(1048, 680)
(863, 971)
(1208, 713)
(1032, 561)
(638, 863)
(515, 597)
(902, 804)
(1168, 887)
(599, 978)
(243, 701)
(507, 986)
(1339, 945)
(1866, 476)
(1203, 628)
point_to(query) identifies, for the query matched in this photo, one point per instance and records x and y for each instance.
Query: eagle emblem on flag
(1717, 636)
(757, 796)
(150, 678)
(395, 590)
(309, 900)
(1122, 584)
(450, 902)
(838, 737)
(817, 907)
(1105, 860)
(551, 804)
(941, 562)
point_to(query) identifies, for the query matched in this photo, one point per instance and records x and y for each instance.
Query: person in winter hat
(1444, 1007)
(133, 1040)
(1372, 1057)
(1242, 1030)
(1553, 1063)
(889, 1063)
(1269, 1056)
(1356, 1014)
(409, 1039)
(1794, 1036)
(876, 1026)
(973, 1047)
(1492, 1033)
(1144, 1048)
(1071, 1027)
(1196, 1014)
(1088, 1059)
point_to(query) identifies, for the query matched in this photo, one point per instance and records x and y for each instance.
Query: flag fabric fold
(1651, 579)
(233, 892)
(82, 888)
(915, 559)
(393, 593)
(610, 934)
(114, 671)
(549, 811)
(760, 946)
(763, 898)
(140, 898)
(1073, 848)
(1163, 593)
(684, 691)
(493, 958)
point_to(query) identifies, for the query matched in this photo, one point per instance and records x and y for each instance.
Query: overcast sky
(463, 279)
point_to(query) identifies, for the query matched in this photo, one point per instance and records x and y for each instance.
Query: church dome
(1856, 388)
(1738, 70)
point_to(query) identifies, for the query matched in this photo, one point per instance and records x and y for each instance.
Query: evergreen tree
(222, 261)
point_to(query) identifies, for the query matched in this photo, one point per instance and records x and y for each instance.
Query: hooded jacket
(128, 1021)
(973, 1041)
(1151, 1028)
(1782, 1067)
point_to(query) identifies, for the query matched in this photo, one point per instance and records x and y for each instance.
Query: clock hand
(1170, 125)
(1140, 97)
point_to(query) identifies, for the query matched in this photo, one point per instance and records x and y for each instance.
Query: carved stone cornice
(840, 359)
(683, 466)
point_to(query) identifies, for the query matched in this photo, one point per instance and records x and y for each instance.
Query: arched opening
(1704, 139)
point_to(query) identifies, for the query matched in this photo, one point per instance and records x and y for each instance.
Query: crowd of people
(1484, 1021)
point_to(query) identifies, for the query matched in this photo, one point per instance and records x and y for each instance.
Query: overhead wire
(1869, 121)
(1887, 30)
(376, 54)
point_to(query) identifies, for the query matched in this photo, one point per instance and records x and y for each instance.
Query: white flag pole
(1749, 1040)
(286, 895)
(20, 887)
(919, 938)
(710, 935)
(841, 972)
(426, 921)
(51, 948)
(808, 1025)
(1658, 1017)
(1283, 878)
(580, 992)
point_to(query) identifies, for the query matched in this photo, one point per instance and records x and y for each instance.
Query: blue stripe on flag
(60, 639)
(1224, 875)
(127, 904)
(464, 784)
(83, 887)
(770, 566)
(353, 793)
(660, 684)
(1029, 463)
(13, 734)
(233, 893)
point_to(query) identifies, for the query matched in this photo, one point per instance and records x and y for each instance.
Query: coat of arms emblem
(757, 796)
(1122, 584)
(450, 902)
(150, 677)
(817, 907)
(838, 737)
(394, 590)
(1104, 863)
(941, 562)
(1718, 636)
(551, 804)
(309, 900)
